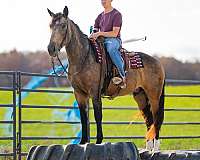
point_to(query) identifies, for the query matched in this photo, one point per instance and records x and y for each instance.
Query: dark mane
(79, 30)
(80, 40)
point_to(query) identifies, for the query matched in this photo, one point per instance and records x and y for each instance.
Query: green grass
(110, 115)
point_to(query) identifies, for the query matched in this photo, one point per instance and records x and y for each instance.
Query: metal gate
(12, 88)
(16, 89)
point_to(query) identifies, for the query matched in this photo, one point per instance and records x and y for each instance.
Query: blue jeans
(112, 45)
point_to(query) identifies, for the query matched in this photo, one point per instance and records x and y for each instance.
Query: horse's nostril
(51, 49)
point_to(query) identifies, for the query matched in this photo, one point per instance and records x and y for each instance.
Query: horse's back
(149, 60)
(151, 65)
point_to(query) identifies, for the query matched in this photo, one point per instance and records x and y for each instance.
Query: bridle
(52, 58)
(65, 68)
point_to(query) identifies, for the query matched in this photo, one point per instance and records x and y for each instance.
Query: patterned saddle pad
(132, 60)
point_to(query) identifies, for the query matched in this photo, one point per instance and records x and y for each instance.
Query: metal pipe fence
(17, 89)
(11, 89)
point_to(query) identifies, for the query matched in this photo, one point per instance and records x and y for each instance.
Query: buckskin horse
(145, 84)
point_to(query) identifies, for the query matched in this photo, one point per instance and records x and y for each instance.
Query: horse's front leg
(83, 102)
(97, 105)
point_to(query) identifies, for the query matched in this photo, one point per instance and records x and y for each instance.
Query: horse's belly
(114, 90)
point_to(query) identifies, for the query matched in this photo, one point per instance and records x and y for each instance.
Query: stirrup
(116, 80)
(123, 86)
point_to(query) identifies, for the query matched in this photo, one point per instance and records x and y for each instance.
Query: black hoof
(99, 140)
(83, 142)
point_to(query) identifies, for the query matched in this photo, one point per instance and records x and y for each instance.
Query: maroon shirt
(106, 21)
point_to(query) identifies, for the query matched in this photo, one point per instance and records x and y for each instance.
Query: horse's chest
(80, 83)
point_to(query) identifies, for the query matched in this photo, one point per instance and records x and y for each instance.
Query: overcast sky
(172, 27)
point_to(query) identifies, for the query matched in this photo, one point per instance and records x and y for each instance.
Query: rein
(53, 66)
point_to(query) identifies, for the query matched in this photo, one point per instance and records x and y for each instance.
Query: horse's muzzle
(53, 51)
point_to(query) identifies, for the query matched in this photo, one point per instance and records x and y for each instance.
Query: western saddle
(132, 60)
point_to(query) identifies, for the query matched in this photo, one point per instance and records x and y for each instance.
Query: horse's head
(59, 28)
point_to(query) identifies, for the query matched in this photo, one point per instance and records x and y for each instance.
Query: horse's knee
(97, 103)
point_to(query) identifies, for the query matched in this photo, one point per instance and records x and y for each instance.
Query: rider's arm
(96, 24)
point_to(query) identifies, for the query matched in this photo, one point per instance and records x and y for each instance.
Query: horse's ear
(65, 12)
(50, 13)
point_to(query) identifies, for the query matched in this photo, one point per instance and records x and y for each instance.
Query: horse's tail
(160, 113)
(162, 98)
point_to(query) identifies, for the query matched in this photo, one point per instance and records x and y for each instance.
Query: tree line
(40, 62)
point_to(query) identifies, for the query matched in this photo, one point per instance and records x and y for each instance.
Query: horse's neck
(78, 48)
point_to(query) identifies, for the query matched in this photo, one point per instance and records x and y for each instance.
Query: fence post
(14, 85)
(19, 117)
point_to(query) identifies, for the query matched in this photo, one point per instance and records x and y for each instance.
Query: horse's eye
(63, 25)
(57, 23)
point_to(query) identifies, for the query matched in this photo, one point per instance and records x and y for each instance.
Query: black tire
(170, 155)
(106, 151)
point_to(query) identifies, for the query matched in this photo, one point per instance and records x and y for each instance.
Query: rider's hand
(95, 35)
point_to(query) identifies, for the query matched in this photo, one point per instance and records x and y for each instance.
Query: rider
(108, 24)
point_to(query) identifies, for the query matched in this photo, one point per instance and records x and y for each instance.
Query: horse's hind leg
(157, 109)
(144, 106)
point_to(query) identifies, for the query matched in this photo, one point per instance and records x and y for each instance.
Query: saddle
(132, 60)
